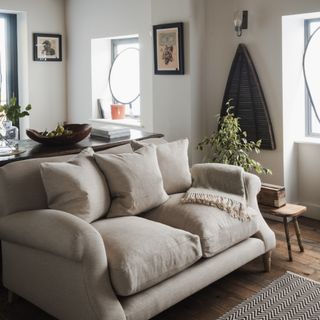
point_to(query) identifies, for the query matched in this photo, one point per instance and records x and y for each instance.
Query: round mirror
(124, 76)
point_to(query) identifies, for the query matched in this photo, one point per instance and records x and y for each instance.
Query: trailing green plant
(229, 145)
(13, 111)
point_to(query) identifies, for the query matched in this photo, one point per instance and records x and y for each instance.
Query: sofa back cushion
(173, 162)
(21, 186)
(134, 180)
(77, 186)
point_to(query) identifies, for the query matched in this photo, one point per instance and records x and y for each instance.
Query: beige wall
(41, 84)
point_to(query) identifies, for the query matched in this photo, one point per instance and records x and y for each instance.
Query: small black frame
(47, 47)
(168, 44)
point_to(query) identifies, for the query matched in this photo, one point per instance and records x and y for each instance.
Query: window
(115, 79)
(3, 66)
(8, 58)
(126, 74)
(312, 71)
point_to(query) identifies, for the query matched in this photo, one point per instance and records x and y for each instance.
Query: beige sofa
(121, 268)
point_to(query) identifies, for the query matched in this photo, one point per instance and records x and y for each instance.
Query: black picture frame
(47, 47)
(168, 45)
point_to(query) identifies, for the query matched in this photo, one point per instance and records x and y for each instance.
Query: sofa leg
(12, 297)
(267, 261)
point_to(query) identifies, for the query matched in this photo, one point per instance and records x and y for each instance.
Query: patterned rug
(289, 297)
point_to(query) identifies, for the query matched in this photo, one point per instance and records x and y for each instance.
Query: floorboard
(221, 296)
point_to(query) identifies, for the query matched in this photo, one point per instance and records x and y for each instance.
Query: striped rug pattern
(289, 297)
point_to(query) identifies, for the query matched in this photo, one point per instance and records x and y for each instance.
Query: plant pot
(118, 111)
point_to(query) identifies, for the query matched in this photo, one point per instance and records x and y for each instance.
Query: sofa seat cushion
(217, 229)
(142, 253)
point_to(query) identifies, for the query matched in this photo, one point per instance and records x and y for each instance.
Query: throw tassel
(234, 208)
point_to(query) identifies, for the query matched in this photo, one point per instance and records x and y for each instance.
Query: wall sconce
(240, 21)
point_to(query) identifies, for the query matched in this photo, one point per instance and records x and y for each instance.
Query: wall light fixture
(240, 21)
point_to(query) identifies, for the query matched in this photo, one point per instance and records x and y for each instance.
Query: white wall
(198, 55)
(178, 99)
(309, 177)
(220, 48)
(41, 84)
(171, 105)
(264, 41)
(293, 99)
(88, 20)
(100, 64)
(171, 93)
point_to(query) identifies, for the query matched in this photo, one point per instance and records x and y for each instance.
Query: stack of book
(272, 195)
(110, 133)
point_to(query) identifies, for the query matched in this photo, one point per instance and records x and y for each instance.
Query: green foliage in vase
(229, 145)
(13, 111)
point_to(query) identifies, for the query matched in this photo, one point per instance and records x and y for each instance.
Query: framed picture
(168, 48)
(47, 47)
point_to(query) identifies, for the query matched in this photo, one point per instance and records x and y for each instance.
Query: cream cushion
(134, 180)
(173, 163)
(24, 178)
(124, 148)
(142, 253)
(77, 186)
(217, 229)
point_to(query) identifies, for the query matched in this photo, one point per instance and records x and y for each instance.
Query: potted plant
(11, 113)
(229, 144)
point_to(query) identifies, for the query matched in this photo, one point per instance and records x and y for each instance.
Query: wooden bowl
(80, 131)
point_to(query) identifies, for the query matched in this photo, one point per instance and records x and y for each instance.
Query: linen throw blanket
(220, 186)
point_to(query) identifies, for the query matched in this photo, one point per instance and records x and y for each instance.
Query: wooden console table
(288, 211)
(36, 150)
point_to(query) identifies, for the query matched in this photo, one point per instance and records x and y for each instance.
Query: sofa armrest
(69, 237)
(52, 231)
(265, 234)
(253, 186)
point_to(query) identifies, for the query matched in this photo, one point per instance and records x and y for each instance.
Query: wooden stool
(288, 211)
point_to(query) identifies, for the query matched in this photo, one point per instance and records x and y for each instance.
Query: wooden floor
(221, 296)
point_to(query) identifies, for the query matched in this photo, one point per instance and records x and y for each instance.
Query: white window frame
(308, 106)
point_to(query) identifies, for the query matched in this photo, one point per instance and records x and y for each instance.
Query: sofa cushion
(127, 148)
(142, 253)
(217, 229)
(134, 180)
(173, 163)
(77, 187)
(124, 148)
(23, 178)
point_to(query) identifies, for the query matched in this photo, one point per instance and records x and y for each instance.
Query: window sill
(131, 123)
(308, 140)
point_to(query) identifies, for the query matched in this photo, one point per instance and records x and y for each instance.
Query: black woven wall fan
(244, 88)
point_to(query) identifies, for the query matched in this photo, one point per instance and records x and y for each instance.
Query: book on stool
(271, 195)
